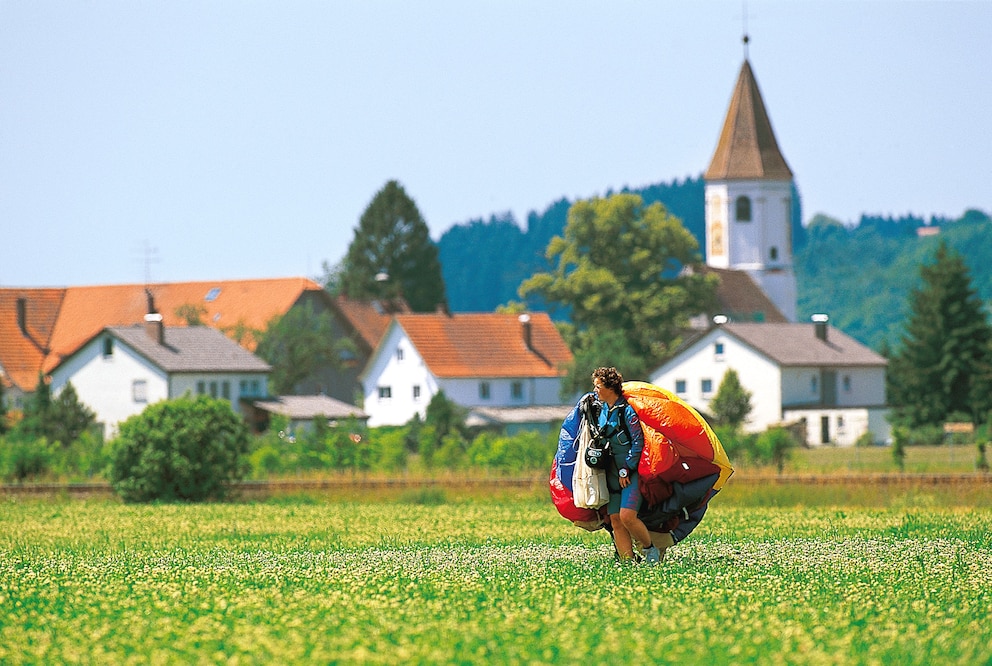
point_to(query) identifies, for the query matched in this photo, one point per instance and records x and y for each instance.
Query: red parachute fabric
(679, 445)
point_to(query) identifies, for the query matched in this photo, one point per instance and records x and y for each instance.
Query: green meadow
(895, 577)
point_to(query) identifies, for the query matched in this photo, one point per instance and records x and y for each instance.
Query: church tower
(749, 198)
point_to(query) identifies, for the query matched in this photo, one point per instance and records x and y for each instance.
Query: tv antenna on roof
(149, 257)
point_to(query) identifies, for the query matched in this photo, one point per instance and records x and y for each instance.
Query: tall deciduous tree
(938, 369)
(618, 268)
(392, 254)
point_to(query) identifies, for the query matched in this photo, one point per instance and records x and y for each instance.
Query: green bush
(182, 449)
(774, 446)
(23, 458)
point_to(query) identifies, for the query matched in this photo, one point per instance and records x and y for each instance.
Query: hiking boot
(652, 555)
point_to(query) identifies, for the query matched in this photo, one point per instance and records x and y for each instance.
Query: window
(706, 386)
(680, 386)
(139, 390)
(201, 388)
(212, 295)
(773, 253)
(213, 389)
(517, 390)
(743, 209)
(484, 390)
(256, 387)
(108, 346)
(847, 383)
(416, 392)
(813, 384)
(718, 351)
(385, 392)
(225, 390)
(399, 354)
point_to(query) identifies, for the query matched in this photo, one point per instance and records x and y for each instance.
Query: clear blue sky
(244, 138)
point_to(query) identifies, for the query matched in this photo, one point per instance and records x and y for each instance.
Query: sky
(178, 140)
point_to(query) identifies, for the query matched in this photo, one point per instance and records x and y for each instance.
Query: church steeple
(749, 198)
(747, 148)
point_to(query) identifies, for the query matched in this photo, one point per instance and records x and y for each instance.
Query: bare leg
(621, 537)
(635, 528)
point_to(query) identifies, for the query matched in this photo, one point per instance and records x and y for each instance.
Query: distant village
(123, 347)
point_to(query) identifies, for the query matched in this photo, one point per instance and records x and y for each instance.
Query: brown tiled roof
(191, 349)
(486, 344)
(64, 319)
(741, 298)
(797, 345)
(747, 149)
(369, 319)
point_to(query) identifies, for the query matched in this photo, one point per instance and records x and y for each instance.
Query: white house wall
(238, 385)
(758, 375)
(854, 387)
(399, 368)
(534, 391)
(105, 384)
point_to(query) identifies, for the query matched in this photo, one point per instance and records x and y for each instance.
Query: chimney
(820, 326)
(154, 327)
(22, 315)
(153, 320)
(524, 320)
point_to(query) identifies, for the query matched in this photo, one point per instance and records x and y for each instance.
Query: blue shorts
(628, 498)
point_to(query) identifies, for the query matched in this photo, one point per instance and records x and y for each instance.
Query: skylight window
(212, 295)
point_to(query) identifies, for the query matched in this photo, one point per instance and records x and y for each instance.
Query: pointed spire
(747, 149)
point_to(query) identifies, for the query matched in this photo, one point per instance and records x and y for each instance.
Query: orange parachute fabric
(679, 445)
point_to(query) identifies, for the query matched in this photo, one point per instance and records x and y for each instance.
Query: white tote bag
(589, 489)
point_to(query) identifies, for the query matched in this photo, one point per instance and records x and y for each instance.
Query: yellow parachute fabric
(679, 445)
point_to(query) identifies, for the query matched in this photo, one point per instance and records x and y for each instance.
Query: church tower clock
(749, 198)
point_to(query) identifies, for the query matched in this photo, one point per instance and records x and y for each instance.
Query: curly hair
(611, 378)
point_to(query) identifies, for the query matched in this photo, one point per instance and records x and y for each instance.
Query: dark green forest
(860, 275)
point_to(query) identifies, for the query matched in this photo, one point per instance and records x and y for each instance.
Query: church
(749, 198)
(808, 375)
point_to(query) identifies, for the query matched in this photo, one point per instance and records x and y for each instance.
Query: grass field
(448, 579)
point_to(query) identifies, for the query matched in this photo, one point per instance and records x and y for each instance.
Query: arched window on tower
(773, 253)
(743, 209)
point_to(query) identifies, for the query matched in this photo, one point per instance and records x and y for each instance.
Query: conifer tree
(392, 254)
(732, 402)
(938, 368)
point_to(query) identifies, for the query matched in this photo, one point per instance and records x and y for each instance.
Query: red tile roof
(487, 344)
(60, 320)
(369, 319)
(23, 352)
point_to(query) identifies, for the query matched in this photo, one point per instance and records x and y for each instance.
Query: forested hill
(860, 276)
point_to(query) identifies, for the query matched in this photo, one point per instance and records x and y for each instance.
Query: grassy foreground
(469, 581)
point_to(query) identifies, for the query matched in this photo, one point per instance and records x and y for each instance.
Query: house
(480, 360)
(40, 327)
(121, 370)
(811, 374)
(301, 410)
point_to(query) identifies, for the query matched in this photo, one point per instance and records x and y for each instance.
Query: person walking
(619, 426)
